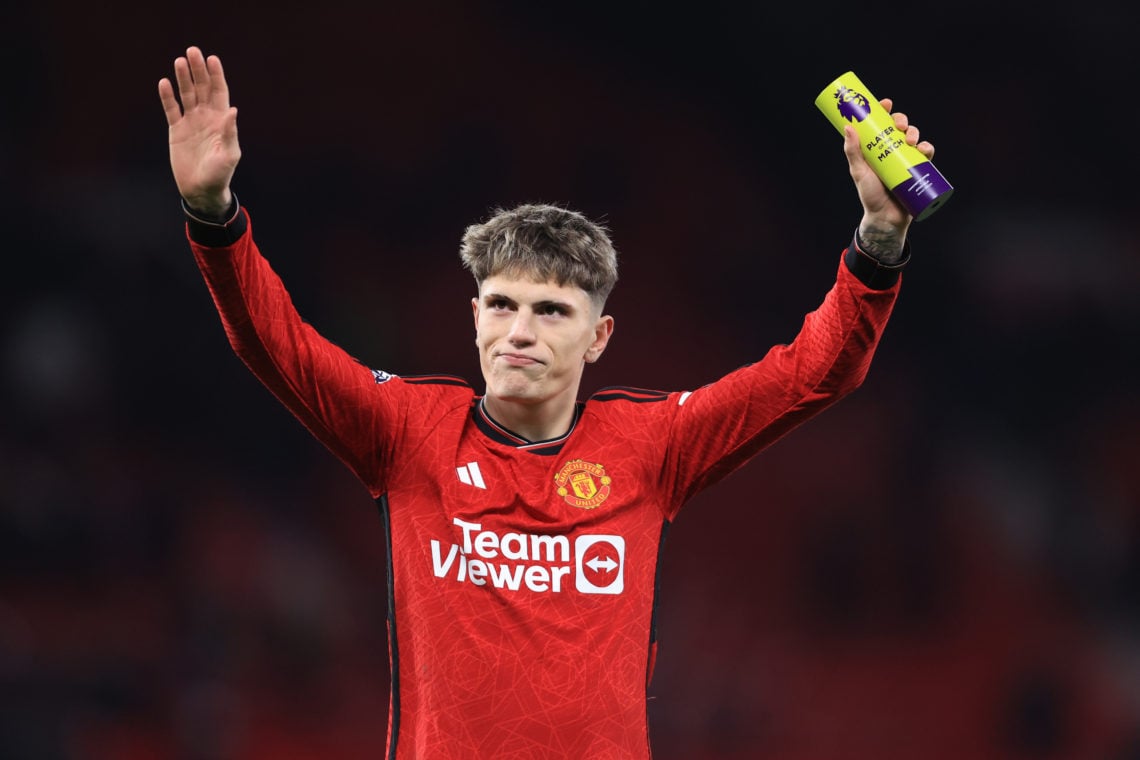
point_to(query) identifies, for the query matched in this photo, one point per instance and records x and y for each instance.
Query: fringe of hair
(542, 243)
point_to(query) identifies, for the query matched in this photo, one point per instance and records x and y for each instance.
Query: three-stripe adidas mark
(469, 474)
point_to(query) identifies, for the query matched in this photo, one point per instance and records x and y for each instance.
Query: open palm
(204, 150)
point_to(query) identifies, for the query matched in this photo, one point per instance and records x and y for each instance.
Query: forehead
(526, 290)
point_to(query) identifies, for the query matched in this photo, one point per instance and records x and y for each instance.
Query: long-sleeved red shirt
(522, 576)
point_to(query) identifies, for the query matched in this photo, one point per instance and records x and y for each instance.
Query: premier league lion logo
(852, 105)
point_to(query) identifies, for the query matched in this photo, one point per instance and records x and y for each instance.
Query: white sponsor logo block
(600, 564)
(531, 561)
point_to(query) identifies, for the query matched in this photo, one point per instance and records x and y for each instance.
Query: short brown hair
(542, 242)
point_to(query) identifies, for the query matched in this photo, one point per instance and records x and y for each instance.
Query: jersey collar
(500, 434)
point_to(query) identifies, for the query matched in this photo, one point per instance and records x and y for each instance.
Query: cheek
(482, 333)
(570, 353)
(485, 341)
(482, 344)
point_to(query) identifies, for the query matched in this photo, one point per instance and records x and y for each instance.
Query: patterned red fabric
(523, 575)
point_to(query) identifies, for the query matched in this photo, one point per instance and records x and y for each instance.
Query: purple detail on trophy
(853, 106)
(924, 192)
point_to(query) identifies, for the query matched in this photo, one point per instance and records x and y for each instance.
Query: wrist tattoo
(882, 243)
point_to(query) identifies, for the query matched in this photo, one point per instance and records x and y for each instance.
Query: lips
(518, 360)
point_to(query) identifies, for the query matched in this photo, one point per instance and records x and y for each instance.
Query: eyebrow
(560, 304)
(488, 297)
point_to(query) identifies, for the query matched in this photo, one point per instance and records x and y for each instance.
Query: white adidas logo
(469, 475)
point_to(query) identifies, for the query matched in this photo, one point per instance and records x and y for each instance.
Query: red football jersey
(522, 575)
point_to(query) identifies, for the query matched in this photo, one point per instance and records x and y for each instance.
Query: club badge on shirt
(583, 484)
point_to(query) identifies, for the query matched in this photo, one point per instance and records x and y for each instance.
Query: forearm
(722, 424)
(322, 385)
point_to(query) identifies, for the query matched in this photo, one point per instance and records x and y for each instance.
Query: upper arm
(332, 394)
(717, 428)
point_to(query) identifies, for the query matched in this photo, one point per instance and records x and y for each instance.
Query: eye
(498, 304)
(551, 309)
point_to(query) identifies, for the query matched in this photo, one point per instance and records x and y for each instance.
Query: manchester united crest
(583, 484)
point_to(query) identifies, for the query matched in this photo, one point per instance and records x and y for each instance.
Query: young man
(524, 526)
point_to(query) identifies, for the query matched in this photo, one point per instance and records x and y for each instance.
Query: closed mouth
(518, 359)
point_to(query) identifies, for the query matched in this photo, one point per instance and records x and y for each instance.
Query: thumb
(853, 149)
(229, 129)
(851, 146)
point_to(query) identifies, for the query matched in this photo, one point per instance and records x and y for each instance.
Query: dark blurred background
(945, 565)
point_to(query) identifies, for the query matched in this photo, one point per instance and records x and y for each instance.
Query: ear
(475, 312)
(603, 329)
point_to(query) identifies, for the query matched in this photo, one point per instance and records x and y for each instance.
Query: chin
(518, 390)
(516, 395)
(511, 383)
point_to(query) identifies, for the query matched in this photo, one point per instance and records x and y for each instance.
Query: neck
(534, 422)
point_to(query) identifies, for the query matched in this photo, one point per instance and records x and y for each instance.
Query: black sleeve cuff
(872, 272)
(216, 232)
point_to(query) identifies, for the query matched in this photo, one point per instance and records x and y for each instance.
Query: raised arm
(334, 396)
(204, 150)
(720, 426)
(883, 228)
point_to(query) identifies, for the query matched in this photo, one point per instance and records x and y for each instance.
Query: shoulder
(429, 406)
(427, 395)
(620, 401)
(630, 422)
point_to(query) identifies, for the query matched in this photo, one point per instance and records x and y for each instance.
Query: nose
(521, 332)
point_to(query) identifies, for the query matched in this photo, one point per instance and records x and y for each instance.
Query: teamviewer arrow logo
(600, 564)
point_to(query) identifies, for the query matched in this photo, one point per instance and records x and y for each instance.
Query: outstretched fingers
(201, 83)
(169, 102)
(200, 75)
(219, 90)
(186, 91)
